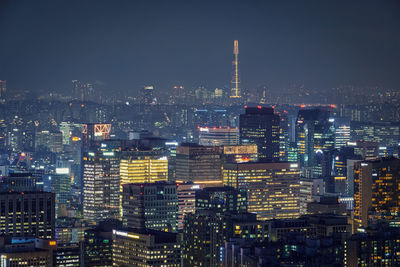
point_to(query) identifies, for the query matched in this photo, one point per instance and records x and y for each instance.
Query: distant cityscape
(196, 176)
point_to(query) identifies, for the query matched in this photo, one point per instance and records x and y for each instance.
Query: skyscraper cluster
(206, 178)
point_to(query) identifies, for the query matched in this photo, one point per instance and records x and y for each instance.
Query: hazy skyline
(126, 44)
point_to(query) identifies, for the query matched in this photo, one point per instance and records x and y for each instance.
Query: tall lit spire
(235, 83)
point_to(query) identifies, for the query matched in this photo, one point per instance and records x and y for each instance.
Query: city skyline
(199, 133)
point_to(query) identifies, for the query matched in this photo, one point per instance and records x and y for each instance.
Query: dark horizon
(127, 44)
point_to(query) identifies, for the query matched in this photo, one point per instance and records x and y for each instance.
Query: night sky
(126, 44)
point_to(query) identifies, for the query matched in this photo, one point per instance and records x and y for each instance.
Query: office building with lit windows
(101, 185)
(27, 251)
(365, 149)
(261, 126)
(376, 191)
(284, 140)
(342, 164)
(206, 232)
(145, 247)
(199, 164)
(143, 167)
(52, 141)
(27, 214)
(218, 136)
(20, 182)
(305, 194)
(239, 153)
(67, 255)
(146, 95)
(312, 240)
(272, 188)
(376, 248)
(387, 134)
(60, 184)
(71, 132)
(222, 199)
(150, 205)
(342, 132)
(98, 244)
(186, 200)
(203, 236)
(315, 135)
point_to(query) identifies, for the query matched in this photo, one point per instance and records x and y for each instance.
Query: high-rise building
(239, 153)
(306, 241)
(272, 188)
(342, 132)
(381, 247)
(69, 231)
(199, 164)
(387, 134)
(60, 184)
(222, 199)
(206, 232)
(101, 183)
(177, 94)
(3, 88)
(49, 140)
(203, 236)
(143, 167)
(92, 132)
(218, 95)
(235, 82)
(186, 200)
(150, 205)
(218, 136)
(342, 161)
(365, 149)
(284, 139)
(20, 182)
(98, 245)
(27, 214)
(27, 251)
(202, 95)
(305, 194)
(376, 191)
(350, 177)
(71, 132)
(315, 135)
(260, 126)
(292, 152)
(67, 255)
(147, 97)
(145, 247)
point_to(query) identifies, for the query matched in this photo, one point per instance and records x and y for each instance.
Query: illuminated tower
(235, 89)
